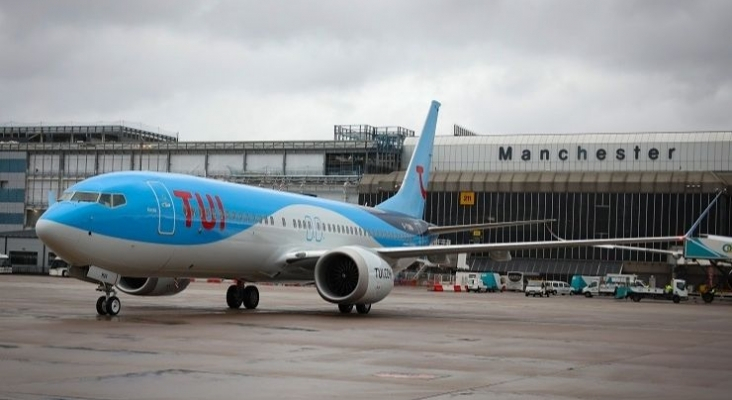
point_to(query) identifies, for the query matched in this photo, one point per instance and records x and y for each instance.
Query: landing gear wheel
(234, 296)
(363, 308)
(102, 305)
(250, 297)
(113, 306)
(345, 308)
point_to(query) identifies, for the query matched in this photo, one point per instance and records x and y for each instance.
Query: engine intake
(353, 275)
(152, 286)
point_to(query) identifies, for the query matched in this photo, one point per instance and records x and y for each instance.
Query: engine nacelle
(353, 275)
(152, 286)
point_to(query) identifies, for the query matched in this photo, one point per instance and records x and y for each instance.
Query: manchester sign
(579, 153)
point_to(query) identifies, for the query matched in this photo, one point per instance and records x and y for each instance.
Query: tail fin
(412, 194)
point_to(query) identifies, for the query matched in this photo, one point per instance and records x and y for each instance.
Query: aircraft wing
(438, 230)
(675, 253)
(416, 251)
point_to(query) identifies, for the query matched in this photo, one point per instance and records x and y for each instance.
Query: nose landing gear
(109, 304)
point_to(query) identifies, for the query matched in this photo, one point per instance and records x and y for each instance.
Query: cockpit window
(85, 197)
(66, 196)
(118, 200)
(112, 200)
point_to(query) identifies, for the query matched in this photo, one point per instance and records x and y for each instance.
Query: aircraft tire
(345, 308)
(102, 305)
(234, 297)
(363, 308)
(708, 297)
(113, 306)
(250, 297)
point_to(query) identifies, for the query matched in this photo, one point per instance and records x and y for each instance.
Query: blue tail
(412, 194)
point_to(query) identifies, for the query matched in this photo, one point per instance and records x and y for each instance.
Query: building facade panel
(192, 164)
(225, 164)
(44, 164)
(84, 164)
(111, 162)
(265, 164)
(12, 164)
(305, 164)
(40, 190)
(156, 162)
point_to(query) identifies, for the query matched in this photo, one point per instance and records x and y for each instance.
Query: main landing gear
(239, 294)
(360, 308)
(109, 304)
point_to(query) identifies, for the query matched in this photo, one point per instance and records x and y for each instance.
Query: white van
(5, 266)
(59, 267)
(536, 288)
(558, 287)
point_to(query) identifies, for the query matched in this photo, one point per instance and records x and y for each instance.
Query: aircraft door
(166, 210)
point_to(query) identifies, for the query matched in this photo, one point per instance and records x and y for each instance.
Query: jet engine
(152, 286)
(353, 275)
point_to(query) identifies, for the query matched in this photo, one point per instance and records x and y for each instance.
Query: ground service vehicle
(675, 293)
(59, 267)
(516, 280)
(536, 288)
(608, 284)
(558, 288)
(579, 282)
(5, 266)
(484, 282)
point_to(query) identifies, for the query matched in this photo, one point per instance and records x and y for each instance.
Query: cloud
(244, 70)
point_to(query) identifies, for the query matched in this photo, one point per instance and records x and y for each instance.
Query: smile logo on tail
(420, 171)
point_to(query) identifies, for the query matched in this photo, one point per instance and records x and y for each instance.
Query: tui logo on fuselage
(208, 215)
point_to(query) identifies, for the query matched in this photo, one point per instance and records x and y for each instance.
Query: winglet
(412, 194)
(704, 214)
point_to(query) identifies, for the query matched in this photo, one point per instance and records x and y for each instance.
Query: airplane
(149, 233)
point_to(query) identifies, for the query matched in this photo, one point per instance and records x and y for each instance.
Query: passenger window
(284, 223)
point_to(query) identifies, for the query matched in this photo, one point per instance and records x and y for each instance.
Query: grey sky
(259, 70)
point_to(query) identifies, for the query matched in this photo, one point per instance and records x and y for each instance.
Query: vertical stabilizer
(412, 193)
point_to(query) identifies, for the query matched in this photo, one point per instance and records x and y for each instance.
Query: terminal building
(592, 185)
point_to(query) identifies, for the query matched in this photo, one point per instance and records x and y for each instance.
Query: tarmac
(415, 344)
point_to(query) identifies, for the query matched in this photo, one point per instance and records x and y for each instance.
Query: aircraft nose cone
(59, 238)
